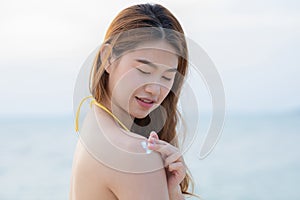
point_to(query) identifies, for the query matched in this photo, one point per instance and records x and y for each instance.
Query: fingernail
(153, 133)
(151, 144)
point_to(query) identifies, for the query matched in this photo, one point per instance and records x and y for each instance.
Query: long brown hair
(156, 22)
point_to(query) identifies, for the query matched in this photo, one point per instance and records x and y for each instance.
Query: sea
(257, 157)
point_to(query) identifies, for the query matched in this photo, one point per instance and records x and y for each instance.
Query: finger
(154, 135)
(158, 141)
(177, 166)
(175, 157)
(164, 148)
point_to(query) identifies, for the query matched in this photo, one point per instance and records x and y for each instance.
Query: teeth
(145, 100)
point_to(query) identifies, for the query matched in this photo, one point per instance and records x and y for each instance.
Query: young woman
(135, 85)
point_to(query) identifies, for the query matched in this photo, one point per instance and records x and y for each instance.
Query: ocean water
(257, 157)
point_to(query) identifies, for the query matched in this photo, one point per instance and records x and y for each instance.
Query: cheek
(125, 86)
(164, 92)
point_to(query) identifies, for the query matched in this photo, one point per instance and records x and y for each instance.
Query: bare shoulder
(91, 179)
(113, 165)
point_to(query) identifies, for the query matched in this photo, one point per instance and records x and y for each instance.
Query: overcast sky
(254, 44)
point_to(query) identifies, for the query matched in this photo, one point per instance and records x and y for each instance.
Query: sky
(254, 45)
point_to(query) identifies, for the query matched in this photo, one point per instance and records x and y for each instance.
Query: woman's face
(141, 79)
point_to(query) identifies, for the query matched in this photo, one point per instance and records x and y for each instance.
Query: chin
(140, 115)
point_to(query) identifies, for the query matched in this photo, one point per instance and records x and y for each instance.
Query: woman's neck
(120, 113)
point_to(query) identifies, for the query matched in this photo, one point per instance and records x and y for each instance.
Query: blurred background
(254, 44)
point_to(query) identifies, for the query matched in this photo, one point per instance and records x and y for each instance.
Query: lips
(145, 102)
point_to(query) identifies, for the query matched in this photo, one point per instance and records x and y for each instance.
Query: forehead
(158, 52)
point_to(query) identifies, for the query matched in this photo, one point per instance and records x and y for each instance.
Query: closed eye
(144, 72)
(166, 78)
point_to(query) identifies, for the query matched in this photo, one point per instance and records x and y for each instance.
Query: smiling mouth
(144, 102)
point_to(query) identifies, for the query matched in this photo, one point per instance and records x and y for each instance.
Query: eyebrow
(153, 65)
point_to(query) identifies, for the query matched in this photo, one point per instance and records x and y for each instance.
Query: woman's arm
(88, 181)
(146, 186)
(174, 163)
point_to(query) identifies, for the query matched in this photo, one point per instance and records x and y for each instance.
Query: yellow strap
(78, 110)
(99, 105)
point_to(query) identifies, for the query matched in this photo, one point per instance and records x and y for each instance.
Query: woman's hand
(173, 162)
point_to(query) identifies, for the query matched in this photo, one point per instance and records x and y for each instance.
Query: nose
(153, 89)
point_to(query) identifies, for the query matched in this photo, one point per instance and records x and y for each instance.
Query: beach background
(254, 45)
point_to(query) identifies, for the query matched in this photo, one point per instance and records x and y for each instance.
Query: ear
(104, 54)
